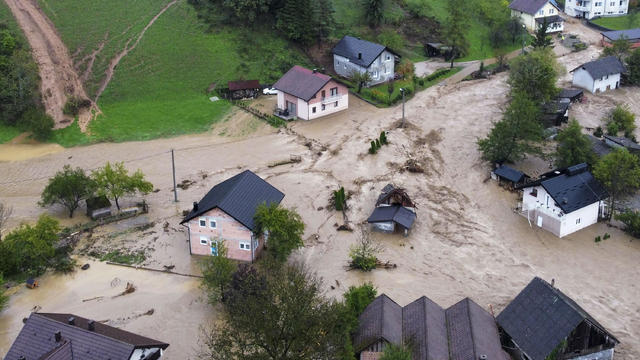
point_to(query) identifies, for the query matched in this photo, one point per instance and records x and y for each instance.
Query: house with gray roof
(308, 94)
(353, 54)
(54, 336)
(226, 214)
(533, 14)
(631, 35)
(463, 331)
(542, 321)
(589, 9)
(599, 75)
(394, 210)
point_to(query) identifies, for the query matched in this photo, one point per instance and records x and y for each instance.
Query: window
(388, 57)
(550, 11)
(334, 91)
(255, 243)
(613, 3)
(541, 12)
(245, 245)
(534, 192)
(335, 104)
(203, 222)
(204, 240)
(324, 94)
(578, 221)
(212, 224)
(313, 109)
(323, 107)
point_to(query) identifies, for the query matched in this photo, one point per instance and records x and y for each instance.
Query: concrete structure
(564, 201)
(533, 12)
(599, 75)
(354, 54)
(226, 215)
(590, 9)
(307, 94)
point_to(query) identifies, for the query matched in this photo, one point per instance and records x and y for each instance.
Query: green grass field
(619, 22)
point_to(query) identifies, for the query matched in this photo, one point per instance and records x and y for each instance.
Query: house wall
(147, 352)
(601, 355)
(303, 109)
(529, 20)
(329, 101)
(370, 355)
(227, 229)
(582, 79)
(382, 69)
(596, 8)
(386, 227)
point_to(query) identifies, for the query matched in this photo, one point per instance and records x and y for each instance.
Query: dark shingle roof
(573, 191)
(302, 83)
(550, 19)
(631, 34)
(528, 6)
(424, 327)
(602, 67)
(623, 141)
(243, 84)
(540, 317)
(396, 213)
(509, 173)
(599, 146)
(350, 47)
(570, 93)
(37, 340)
(238, 196)
(381, 320)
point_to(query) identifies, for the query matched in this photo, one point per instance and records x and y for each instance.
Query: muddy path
(59, 79)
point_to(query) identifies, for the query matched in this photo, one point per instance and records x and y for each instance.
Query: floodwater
(18, 152)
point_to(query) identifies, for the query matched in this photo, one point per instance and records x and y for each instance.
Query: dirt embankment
(59, 79)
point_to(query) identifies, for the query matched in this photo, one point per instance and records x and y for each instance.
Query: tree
(5, 214)
(325, 20)
(619, 173)
(406, 69)
(456, 29)
(296, 21)
(535, 75)
(396, 352)
(246, 12)
(340, 199)
(37, 122)
(619, 48)
(374, 11)
(67, 188)
(28, 249)
(542, 40)
(360, 78)
(574, 147)
(357, 298)
(284, 228)
(217, 272)
(516, 134)
(3, 297)
(364, 254)
(620, 119)
(633, 66)
(631, 221)
(390, 88)
(114, 181)
(278, 314)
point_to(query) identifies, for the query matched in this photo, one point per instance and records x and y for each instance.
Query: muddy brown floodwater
(467, 241)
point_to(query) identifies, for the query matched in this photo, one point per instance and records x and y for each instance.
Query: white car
(270, 91)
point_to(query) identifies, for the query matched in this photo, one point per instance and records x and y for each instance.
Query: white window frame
(215, 223)
(313, 110)
(205, 239)
(244, 245)
(323, 107)
(200, 220)
(577, 221)
(541, 12)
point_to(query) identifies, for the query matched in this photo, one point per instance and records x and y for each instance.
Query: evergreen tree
(296, 21)
(455, 30)
(325, 20)
(633, 66)
(542, 40)
(374, 11)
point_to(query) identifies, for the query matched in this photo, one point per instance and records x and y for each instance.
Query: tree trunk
(71, 212)
(117, 204)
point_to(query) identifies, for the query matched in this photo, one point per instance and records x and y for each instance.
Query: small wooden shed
(243, 89)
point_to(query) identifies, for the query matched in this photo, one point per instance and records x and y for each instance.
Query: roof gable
(301, 82)
(243, 84)
(239, 197)
(509, 173)
(529, 6)
(602, 67)
(381, 320)
(358, 51)
(396, 213)
(574, 189)
(424, 326)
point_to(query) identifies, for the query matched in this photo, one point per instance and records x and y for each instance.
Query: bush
(383, 138)
(373, 149)
(379, 97)
(38, 123)
(631, 221)
(364, 263)
(339, 199)
(391, 39)
(421, 82)
(74, 105)
(598, 132)
(357, 298)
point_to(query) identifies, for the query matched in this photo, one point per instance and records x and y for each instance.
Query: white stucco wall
(382, 69)
(280, 100)
(582, 79)
(303, 109)
(596, 8)
(601, 355)
(330, 108)
(529, 20)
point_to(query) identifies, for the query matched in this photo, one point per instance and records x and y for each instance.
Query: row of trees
(70, 186)
(621, 48)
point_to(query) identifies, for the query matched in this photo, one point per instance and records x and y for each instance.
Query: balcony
(330, 99)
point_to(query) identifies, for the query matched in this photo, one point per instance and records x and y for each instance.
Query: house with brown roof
(242, 89)
(534, 13)
(308, 94)
(463, 331)
(54, 336)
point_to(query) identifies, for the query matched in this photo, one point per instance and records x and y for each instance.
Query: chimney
(72, 320)
(91, 325)
(195, 206)
(360, 56)
(58, 336)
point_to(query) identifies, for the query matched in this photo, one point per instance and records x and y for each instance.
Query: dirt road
(59, 78)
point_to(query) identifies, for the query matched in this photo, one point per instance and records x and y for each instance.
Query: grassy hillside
(619, 22)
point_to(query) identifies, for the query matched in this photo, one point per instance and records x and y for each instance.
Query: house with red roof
(308, 94)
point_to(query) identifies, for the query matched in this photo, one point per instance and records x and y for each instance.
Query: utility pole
(173, 165)
(524, 36)
(402, 91)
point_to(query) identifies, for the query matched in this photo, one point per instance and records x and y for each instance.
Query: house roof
(630, 34)
(529, 6)
(243, 84)
(550, 19)
(37, 340)
(599, 146)
(541, 317)
(510, 174)
(396, 213)
(570, 93)
(602, 67)
(238, 196)
(301, 82)
(623, 141)
(358, 51)
(463, 331)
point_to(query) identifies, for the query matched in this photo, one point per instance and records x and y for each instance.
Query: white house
(564, 201)
(353, 54)
(533, 13)
(599, 75)
(589, 9)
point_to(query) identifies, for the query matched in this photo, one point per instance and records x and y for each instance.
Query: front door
(292, 108)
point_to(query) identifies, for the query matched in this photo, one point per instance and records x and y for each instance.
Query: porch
(284, 114)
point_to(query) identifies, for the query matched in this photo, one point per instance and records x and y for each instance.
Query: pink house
(308, 94)
(226, 214)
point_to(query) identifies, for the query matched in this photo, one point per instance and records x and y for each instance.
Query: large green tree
(284, 228)
(619, 48)
(535, 75)
(574, 147)
(218, 271)
(619, 172)
(68, 188)
(542, 39)
(296, 21)
(516, 135)
(3, 297)
(633, 66)
(620, 120)
(456, 28)
(246, 12)
(357, 298)
(29, 249)
(374, 11)
(115, 182)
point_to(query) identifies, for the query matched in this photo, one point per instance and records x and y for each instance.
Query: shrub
(391, 39)
(631, 221)
(74, 104)
(364, 254)
(379, 97)
(383, 138)
(421, 82)
(339, 199)
(378, 143)
(606, 236)
(364, 263)
(38, 123)
(357, 298)
(373, 149)
(598, 239)
(598, 132)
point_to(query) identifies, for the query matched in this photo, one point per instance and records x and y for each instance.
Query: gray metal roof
(381, 320)
(599, 146)
(396, 213)
(510, 174)
(623, 141)
(602, 67)
(541, 317)
(358, 51)
(37, 340)
(238, 196)
(528, 6)
(631, 34)
(573, 191)
(424, 326)
(302, 83)
(570, 93)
